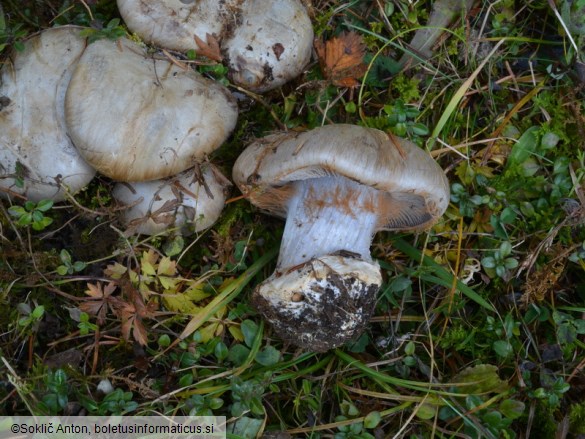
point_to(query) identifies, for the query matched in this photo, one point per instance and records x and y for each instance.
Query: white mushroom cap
(266, 43)
(34, 145)
(271, 46)
(336, 186)
(137, 118)
(191, 201)
(173, 23)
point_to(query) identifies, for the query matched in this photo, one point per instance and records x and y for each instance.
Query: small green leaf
(482, 378)
(174, 246)
(221, 351)
(508, 216)
(43, 224)
(164, 341)
(62, 270)
(502, 348)
(372, 419)
(65, 256)
(505, 248)
(215, 403)
(510, 263)
(269, 356)
(38, 312)
(113, 23)
(409, 361)
(245, 427)
(186, 380)
(256, 406)
(16, 211)
(420, 129)
(409, 348)
(25, 219)
(249, 329)
(524, 148)
(511, 408)
(238, 354)
(549, 140)
(349, 409)
(493, 419)
(426, 411)
(350, 107)
(79, 265)
(527, 209)
(37, 216)
(59, 377)
(488, 262)
(44, 205)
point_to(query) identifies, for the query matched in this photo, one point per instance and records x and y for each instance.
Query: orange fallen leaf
(209, 48)
(341, 59)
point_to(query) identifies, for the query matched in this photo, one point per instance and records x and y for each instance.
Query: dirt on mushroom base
(336, 307)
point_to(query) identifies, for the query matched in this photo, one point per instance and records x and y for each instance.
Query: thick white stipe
(327, 215)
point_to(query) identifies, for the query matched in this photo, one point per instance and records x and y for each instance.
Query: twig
(259, 99)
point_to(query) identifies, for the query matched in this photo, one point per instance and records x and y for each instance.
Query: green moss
(544, 422)
(577, 418)
(406, 88)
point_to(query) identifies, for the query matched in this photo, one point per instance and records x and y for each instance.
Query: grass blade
(441, 272)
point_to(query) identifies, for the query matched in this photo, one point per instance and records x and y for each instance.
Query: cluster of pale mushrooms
(69, 109)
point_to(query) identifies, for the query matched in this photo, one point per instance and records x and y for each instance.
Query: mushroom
(135, 117)
(336, 185)
(191, 201)
(37, 158)
(265, 43)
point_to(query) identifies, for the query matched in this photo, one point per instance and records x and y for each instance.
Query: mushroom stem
(327, 215)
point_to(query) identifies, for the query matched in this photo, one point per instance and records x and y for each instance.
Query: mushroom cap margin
(192, 201)
(32, 124)
(366, 155)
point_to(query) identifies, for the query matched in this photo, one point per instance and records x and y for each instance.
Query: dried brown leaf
(543, 281)
(341, 59)
(132, 312)
(99, 301)
(209, 48)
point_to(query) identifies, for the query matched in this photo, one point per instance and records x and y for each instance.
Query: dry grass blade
(459, 94)
(229, 293)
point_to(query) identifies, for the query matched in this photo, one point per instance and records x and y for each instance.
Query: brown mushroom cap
(417, 191)
(136, 118)
(34, 146)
